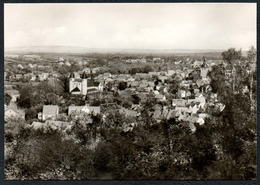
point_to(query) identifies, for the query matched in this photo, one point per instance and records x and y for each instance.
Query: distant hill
(46, 49)
(75, 49)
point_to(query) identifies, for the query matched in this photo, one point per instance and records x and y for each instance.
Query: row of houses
(52, 111)
(30, 57)
(133, 61)
(31, 76)
(62, 61)
(188, 105)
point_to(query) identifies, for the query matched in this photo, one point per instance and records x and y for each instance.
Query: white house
(86, 109)
(49, 112)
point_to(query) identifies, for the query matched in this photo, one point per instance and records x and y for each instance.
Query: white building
(83, 85)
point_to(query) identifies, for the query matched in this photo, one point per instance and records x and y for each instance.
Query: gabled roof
(162, 77)
(37, 125)
(94, 109)
(14, 109)
(142, 96)
(89, 109)
(154, 73)
(13, 92)
(229, 67)
(77, 80)
(50, 110)
(107, 74)
(165, 112)
(171, 114)
(141, 74)
(159, 96)
(92, 89)
(135, 84)
(128, 112)
(93, 84)
(185, 109)
(143, 85)
(125, 92)
(86, 69)
(106, 106)
(9, 109)
(75, 108)
(157, 114)
(151, 84)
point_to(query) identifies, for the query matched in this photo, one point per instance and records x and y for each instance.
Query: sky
(131, 25)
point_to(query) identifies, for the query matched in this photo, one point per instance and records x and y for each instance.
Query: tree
(136, 99)
(82, 127)
(25, 99)
(51, 98)
(115, 119)
(147, 69)
(231, 54)
(235, 138)
(126, 103)
(251, 54)
(149, 57)
(147, 106)
(135, 70)
(122, 86)
(194, 75)
(47, 155)
(64, 81)
(7, 99)
(174, 84)
(31, 113)
(102, 156)
(202, 152)
(218, 82)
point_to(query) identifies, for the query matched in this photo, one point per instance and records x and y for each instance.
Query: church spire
(84, 75)
(72, 75)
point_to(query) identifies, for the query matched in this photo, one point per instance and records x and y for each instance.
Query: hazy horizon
(80, 50)
(83, 47)
(131, 26)
(117, 48)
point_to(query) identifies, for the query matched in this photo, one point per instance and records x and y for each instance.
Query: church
(82, 85)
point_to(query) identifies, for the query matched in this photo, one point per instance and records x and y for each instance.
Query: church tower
(72, 78)
(84, 84)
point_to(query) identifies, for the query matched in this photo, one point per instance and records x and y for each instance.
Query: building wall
(204, 72)
(45, 117)
(73, 84)
(84, 86)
